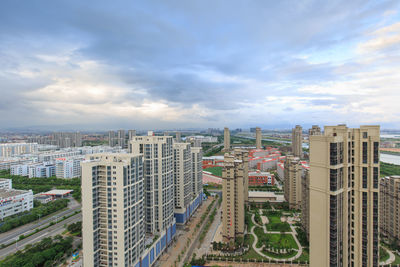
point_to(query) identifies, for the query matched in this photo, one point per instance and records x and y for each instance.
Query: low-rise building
(14, 201)
(261, 178)
(5, 183)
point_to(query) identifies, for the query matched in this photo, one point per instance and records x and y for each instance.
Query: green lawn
(383, 254)
(275, 224)
(281, 241)
(217, 171)
(280, 256)
(389, 169)
(305, 257)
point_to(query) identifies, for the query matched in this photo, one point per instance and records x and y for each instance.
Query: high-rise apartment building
(227, 139)
(158, 155)
(258, 138)
(314, 130)
(292, 181)
(233, 197)
(390, 207)
(182, 178)
(243, 155)
(112, 209)
(344, 197)
(297, 141)
(121, 138)
(305, 202)
(197, 172)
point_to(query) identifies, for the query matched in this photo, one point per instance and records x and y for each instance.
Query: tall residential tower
(297, 141)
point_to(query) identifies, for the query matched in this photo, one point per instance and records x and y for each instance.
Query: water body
(394, 159)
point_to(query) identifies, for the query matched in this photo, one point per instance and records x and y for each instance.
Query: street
(51, 231)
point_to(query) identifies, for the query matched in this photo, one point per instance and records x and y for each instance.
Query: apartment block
(344, 197)
(197, 171)
(292, 181)
(227, 139)
(243, 155)
(14, 201)
(158, 155)
(12, 149)
(112, 209)
(390, 208)
(233, 200)
(68, 167)
(118, 138)
(297, 141)
(5, 183)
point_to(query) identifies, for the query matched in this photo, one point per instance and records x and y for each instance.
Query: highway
(11, 235)
(51, 231)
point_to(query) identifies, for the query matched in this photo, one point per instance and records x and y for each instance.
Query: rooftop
(5, 193)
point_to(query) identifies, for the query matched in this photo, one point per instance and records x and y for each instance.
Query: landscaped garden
(275, 223)
(217, 171)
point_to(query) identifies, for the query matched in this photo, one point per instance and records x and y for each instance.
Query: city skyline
(147, 65)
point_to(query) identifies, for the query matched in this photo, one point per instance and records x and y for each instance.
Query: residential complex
(12, 149)
(261, 178)
(59, 139)
(390, 207)
(258, 138)
(233, 199)
(227, 139)
(344, 197)
(297, 141)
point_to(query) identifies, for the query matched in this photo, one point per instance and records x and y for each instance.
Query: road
(11, 235)
(51, 231)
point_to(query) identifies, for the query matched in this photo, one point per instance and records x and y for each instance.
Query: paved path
(209, 238)
(259, 250)
(391, 259)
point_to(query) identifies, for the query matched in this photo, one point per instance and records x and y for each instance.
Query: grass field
(281, 241)
(275, 224)
(217, 171)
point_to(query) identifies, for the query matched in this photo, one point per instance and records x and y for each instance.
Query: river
(394, 159)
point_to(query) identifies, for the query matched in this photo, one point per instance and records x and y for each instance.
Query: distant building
(14, 201)
(117, 138)
(197, 171)
(178, 137)
(5, 183)
(68, 167)
(315, 130)
(131, 134)
(227, 139)
(297, 141)
(344, 197)
(33, 170)
(258, 138)
(390, 207)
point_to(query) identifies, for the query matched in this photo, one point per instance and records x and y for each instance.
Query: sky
(101, 65)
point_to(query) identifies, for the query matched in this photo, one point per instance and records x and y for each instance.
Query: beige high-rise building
(197, 170)
(112, 209)
(131, 134)
(305, 202)
(390, 207)
(182, 176)
(314, 130)
(158, 165)
(297, 141)
(121, 138)
(233, 198)
(258, 138)
(292, 181)
(344, 197)
(227, 139)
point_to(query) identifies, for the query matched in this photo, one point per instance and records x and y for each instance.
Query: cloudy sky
(180, 64)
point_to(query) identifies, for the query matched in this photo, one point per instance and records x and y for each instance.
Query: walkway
(259, 250)
(391, 259)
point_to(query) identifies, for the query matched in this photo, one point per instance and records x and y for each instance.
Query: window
(375, 177)
(364, 177)
(365, 134)
(376, 152)
(365, 152)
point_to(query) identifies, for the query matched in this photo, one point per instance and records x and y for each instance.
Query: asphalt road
(29, 228)
(51, 231)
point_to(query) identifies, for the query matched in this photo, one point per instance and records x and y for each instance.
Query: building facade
(12, 149)
(305, 202)
(233, 202)
(390, 208)
(344, 197)
(292, 181)
(297, 141)
(314, 130)
(261, 178)
(68, 167)
(158, 154)
(112, 209)
(5, 183)
(14, 201)
(197, 171)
